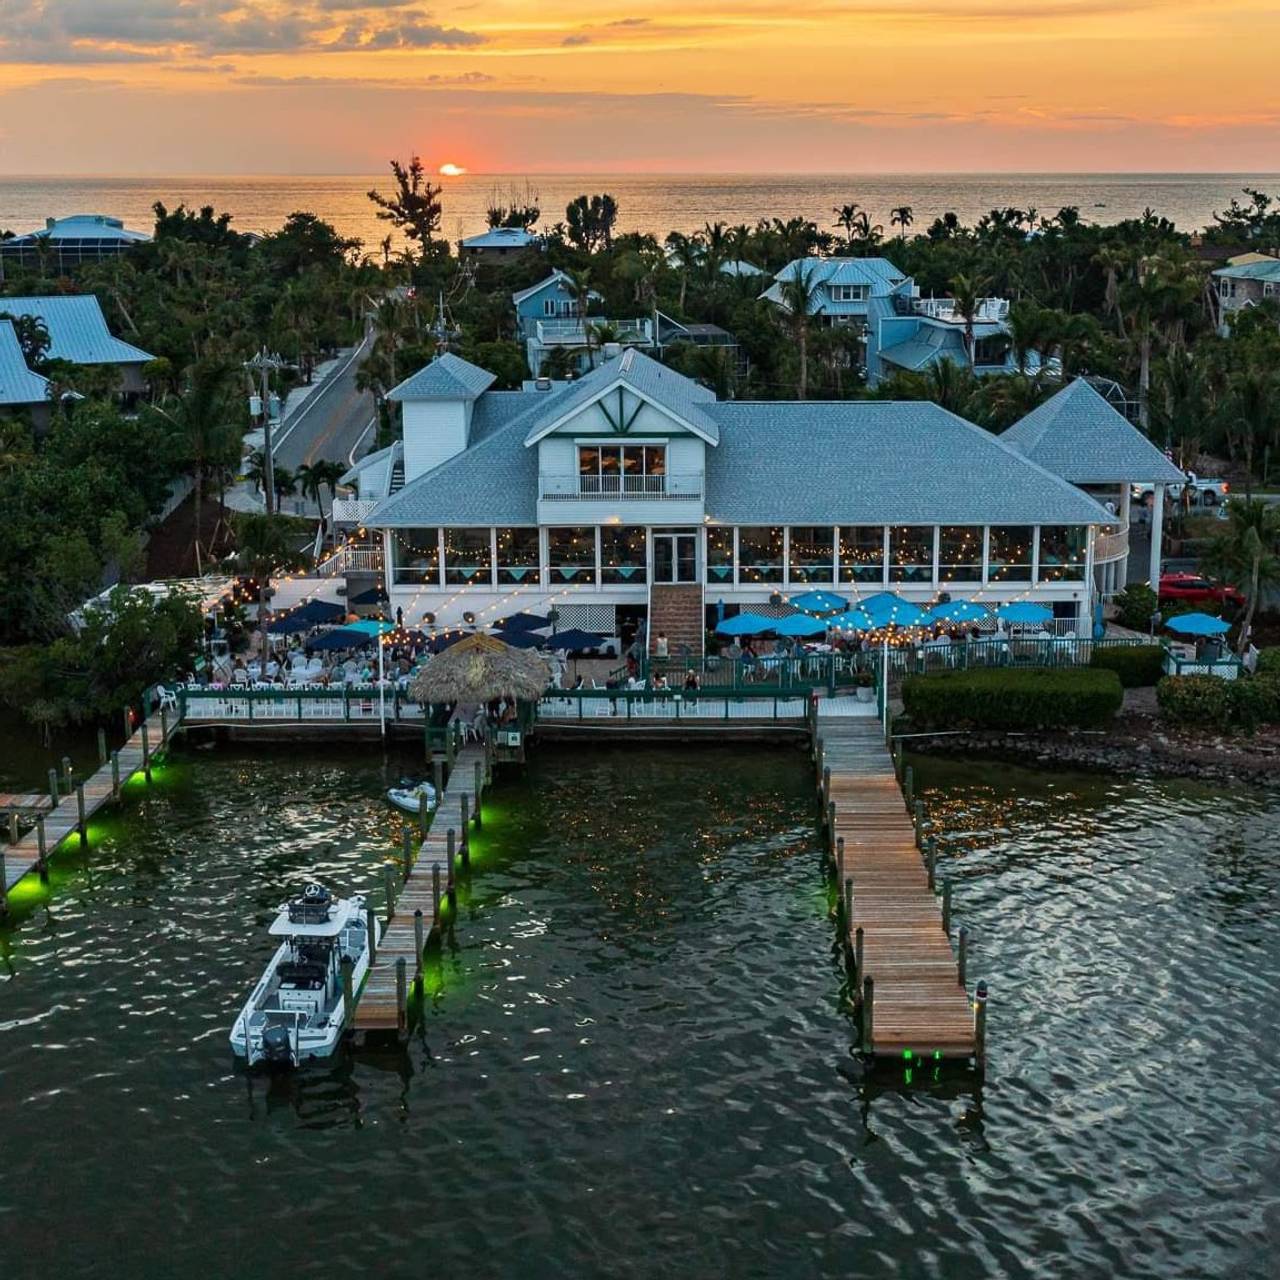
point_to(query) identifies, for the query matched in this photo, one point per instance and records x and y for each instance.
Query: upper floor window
(622, 468)
(1268, 289)
(1227, 288)
(848, 292)
(548, 306)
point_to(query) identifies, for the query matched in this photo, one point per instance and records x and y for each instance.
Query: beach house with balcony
(631, 497)
(548, 318)
(1077, 435)
(1246, 281)
(899, 329)
(498, 244)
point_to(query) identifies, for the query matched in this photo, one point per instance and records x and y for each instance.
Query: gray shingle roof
(876, 462)
(912, 354)
(447, 377)
(18, 385)
(1077, 435)
(77, 329)
(679, 395)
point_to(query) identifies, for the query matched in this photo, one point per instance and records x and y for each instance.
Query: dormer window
(548, 306)
(848, 292)
(622, 468)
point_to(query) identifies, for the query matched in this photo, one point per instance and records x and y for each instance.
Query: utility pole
(262, 364)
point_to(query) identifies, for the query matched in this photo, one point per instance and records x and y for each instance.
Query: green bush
(1208, 702)
(1135, 605)
(1269, 662)
(1000, 698)
(1137, 665)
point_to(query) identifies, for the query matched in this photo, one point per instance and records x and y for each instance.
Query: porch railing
(673, 704)
(348, 559)
(680, 486)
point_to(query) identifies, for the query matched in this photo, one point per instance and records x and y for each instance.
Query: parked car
(1191, 588)
(1204, 493)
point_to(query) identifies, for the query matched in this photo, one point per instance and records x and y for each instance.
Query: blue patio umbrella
(371, 596)
(958, 611)
(819, 602)
(312, 614)
(888, 610)
(746, 624)
(852, 620)
(1023, 612)
(520, 639)
(1198, 624)
(522, 622)
(371, 627)
(342, 638)
(800, 624)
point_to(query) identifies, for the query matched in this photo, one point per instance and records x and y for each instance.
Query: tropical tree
(797, 294)
(264, 546)
(902, 217)
(847, 219)
(414, 207)
(1247, 554)
(967, 293)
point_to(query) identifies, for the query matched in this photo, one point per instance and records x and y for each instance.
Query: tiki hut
(480, 669)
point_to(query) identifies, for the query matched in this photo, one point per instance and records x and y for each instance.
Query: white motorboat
(408, 796)
(296, 1011)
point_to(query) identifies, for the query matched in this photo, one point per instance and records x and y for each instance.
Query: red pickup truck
(1190, 588)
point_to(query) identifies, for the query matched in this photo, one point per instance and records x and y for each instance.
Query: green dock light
(907, 1055)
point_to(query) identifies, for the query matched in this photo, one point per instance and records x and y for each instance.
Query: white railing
(349, 559)
(625, 706)
(353, 510)
(1112, 544)
(989, 311)
(573, 332)
(680, 486)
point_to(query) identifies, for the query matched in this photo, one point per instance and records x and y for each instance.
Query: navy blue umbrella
(573, 640)
(523, 622)
(520, 639)
(312, 614)
(342, 638)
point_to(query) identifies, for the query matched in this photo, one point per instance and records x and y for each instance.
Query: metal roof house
(633, 494)
(78, 333)
(1245, 282)
(20, 389)
(83, 237)
(1078, 435)
(900, 330)
(498, 243)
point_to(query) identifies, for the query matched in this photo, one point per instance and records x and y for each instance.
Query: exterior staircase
(676, 611)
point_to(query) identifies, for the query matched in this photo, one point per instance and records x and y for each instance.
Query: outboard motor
(277, 1050)
(313, 907)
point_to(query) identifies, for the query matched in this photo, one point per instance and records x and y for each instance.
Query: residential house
(78, 333)
(899, 329)
(548, 318)
(631, 497)
(69, 242)
(498, 244)
(21, 391)
(1246, 281)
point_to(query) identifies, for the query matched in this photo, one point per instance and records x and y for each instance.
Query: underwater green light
(907, 1054)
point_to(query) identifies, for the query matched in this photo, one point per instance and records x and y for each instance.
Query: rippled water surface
(634, 1058)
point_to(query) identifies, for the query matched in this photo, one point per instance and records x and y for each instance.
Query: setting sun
(452, 170)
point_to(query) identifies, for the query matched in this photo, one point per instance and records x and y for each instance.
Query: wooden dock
(78, 802)
(907, 982)
(430, 887)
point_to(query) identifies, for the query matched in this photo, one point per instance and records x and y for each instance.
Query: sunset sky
(336, 86)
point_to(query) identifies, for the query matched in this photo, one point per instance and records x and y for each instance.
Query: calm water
(649, 202)
(635, 1060)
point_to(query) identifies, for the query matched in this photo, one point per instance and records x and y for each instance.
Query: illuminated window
(812, 553)
(759, 554)
(719, 553)
(415, 557)
(518, 556)
(571, 555)
(1062, 552)
(911, 553)
(467, 558)
(623, 552)
(1010, 556)
(960, 553)
(862, 553)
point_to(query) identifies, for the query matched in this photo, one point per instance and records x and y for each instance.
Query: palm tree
(204, 418)
(902, 217)
(309, 481)
(264, 546)
(967, 294)
(286, 483)
(796, 294)
(1247, 554)
(580, 283)
(685, 251)
(846, 217)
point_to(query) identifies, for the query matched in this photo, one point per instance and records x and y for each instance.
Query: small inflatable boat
(408, 796)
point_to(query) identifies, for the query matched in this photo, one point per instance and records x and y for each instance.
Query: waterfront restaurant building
(633, 495)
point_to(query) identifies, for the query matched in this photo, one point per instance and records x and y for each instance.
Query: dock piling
(839, 860)
(146, 753)
(82, 825)
(857, 957)
(164, 724)
(931, 862)
(13, 826)
(435, 897)
(371, 925)
(54, 792)
(406, 847)
(918, 817)
(826, 788)
(848, 902)
(424, 812)
(868, 1013)
(4, 892)
(479, 790)
(115, 775)
(908, 783)
(980, 1026)
(102, 745)
(42, 848)
(962, 961)
(831, 827)
(464, 839)
(437, 776)
(67, 773)
(402, 996)
(418, 939)
(946, 907)
(348, 992)
(451, 888)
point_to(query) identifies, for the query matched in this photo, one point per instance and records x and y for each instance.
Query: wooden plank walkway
(63, 819)
(378, 1007)
(918, 998)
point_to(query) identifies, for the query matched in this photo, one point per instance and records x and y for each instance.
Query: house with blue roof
(548, 318)
(1246, 281)
(900, 330)
(632, 498)
(78, 333)
(498, 244)
(21, 390)
(67, 243)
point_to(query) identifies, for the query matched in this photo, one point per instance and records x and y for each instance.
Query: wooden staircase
(676, 610)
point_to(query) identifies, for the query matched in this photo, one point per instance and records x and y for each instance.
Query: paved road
(330, 423)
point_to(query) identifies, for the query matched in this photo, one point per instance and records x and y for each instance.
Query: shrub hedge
(1269, 662)
(1207, 702)
(1137, 666)
(1000, 698)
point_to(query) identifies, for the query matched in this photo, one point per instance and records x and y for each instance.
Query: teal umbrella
(819, 602)
(746, 624)
(1198, 624)
(800, 624)
(958, 611)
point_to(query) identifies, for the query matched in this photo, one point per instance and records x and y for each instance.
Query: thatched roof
(479, 669)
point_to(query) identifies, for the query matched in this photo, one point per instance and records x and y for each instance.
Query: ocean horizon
(650, 202)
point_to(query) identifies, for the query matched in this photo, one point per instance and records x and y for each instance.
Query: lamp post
(262, 364)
